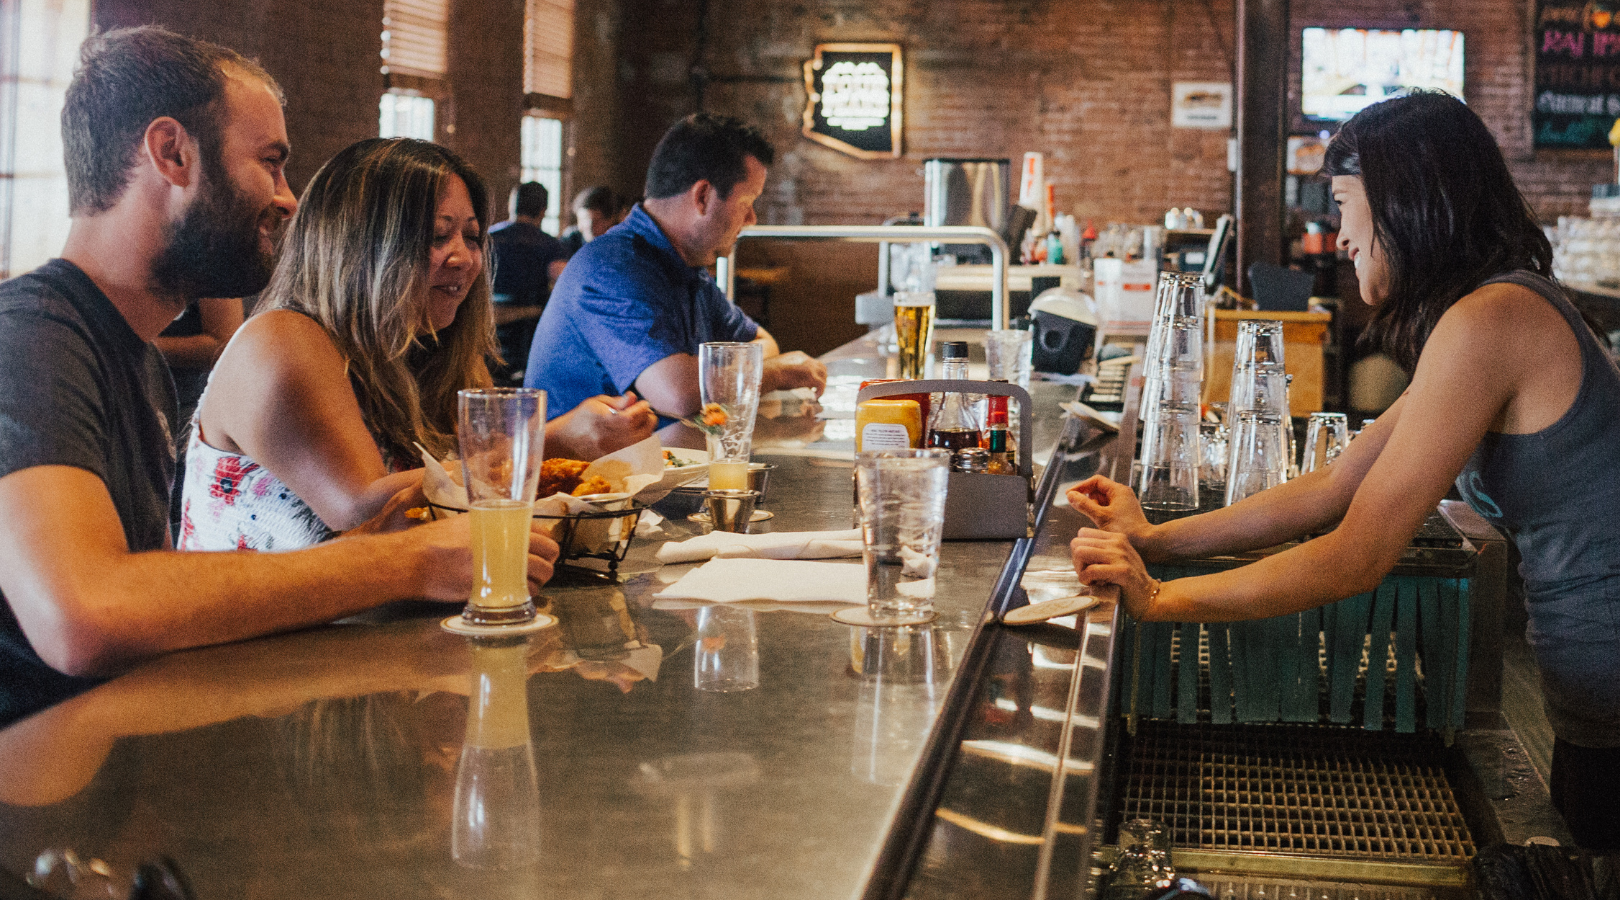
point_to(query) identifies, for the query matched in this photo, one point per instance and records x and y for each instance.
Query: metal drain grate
(1298, 790)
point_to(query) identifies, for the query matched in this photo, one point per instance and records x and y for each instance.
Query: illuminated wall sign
(854, 98)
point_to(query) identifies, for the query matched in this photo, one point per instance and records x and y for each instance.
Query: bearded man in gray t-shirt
(175, 151)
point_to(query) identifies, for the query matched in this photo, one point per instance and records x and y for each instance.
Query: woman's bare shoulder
(280, 343)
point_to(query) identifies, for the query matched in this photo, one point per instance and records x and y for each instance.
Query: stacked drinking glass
(1260, 430)
(1173, 380)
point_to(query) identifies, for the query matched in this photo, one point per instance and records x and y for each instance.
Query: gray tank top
(1557, 494)
(1557, 491)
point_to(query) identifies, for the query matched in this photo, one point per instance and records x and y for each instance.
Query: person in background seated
(632, 307)
(175, 152)
(596, 209)
(526, 261)
(377, 314)
(1513, 401)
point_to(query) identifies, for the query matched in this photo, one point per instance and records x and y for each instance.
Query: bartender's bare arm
(89, 606)
(1464, 386)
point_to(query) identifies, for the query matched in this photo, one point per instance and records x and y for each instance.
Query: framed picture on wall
(853, 98)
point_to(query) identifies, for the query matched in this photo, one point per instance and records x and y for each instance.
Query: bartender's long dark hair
(1445, 211)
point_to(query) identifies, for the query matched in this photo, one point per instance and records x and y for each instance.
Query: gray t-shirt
(78, 388)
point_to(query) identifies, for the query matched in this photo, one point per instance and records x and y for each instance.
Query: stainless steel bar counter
(349, 761)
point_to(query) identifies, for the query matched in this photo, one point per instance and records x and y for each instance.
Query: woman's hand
(1112, 507)
(599, 426)
(1103, 557)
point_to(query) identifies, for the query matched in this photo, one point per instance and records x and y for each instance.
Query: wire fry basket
(585, 539)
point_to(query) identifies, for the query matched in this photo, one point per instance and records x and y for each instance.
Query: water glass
(1326, 435)
(729, 374)
(1259, 454)
(501, 433)
(1171, 460)
(1008, 355)
(726, 657)
(901, 499)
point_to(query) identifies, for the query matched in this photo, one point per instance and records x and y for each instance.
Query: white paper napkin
(780, 580)
(778, 545)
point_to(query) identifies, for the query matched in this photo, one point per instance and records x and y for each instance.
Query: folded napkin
(781, 580)
(777, 545)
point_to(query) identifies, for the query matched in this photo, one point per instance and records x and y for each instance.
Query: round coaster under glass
(862, 617)
(457, 625)
(1048, 609)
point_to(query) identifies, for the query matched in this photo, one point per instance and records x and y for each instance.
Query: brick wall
(1086, 83)
(327, 58)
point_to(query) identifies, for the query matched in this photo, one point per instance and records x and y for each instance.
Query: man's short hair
(125, 80)
(599, 199)
(705, 147)
(530, 199)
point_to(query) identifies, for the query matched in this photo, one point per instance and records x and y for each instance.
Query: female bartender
(1512, 398)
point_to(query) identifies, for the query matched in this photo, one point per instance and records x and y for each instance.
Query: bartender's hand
(1113, 507)
(786, 371)
(1104, 557)
(446, 556)
(599, 426)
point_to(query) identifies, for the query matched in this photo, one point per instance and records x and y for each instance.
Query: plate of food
(681, 466)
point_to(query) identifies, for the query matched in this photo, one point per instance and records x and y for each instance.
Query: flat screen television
(1343, 70)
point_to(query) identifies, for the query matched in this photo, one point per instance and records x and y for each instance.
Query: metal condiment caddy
(980, 506)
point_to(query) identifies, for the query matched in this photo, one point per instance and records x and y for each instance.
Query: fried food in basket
(560, 476)
(595, 484)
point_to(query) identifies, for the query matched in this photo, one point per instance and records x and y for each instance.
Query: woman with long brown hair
(1513, 400)
(379, 311)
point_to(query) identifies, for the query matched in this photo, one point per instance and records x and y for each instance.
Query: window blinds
(548, 48)
(413, 38)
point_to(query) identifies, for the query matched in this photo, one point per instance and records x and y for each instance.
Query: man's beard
(214, 251)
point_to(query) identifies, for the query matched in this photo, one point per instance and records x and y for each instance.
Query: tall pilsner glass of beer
(501, 432)
(913, 330)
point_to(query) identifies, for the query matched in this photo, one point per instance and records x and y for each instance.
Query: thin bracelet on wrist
(1154, 594)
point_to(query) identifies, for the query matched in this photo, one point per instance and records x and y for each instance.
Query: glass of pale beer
(913, 330)
(502, 435)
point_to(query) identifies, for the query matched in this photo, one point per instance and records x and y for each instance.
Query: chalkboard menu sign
(853, 101)
(1577, 73)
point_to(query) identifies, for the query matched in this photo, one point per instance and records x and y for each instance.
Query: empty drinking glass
(1326, 435)
(902, 514)
(1259, 454)
(1170, 462)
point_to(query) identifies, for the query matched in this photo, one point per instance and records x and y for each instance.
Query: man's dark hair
(598, 199)
(126, 79)
(705, 147)
(1445, 211)
(530, 199)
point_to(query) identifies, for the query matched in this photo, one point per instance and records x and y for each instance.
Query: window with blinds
(548, 48)
(542, 161)
(414, 37)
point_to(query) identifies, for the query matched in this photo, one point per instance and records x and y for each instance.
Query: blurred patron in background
(526, 261)
(596, 209)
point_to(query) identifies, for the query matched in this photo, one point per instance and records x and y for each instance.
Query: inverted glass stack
(1173, 380)
(1259, 409)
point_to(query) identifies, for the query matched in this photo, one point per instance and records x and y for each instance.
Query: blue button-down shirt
(625, 301)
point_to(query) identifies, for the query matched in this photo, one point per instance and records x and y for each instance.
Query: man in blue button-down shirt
(633, 305)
